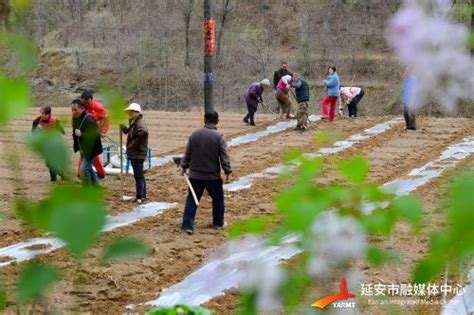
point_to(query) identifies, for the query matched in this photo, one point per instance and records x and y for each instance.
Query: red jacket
(99, 113)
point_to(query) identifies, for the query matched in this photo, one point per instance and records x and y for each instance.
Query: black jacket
(206, 152)
(137, 139)
(278, 75)
(301, 90)
(89, 143)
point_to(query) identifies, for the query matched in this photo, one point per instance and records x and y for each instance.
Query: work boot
(245, 121)
(220, 227)
(188, 231)
(252, 124)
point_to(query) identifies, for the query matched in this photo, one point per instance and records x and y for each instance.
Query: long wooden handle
(196, 201)
(121, 160)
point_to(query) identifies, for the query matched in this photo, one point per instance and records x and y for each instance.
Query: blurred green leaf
(296, 285)
(20, 6)
(78, 216)
(51, 146)
(248, 303)
(34, 280)
(409, 208)
(429, 268)
(374, 193)
(125, 248)
(3, 296)
(292, 155)
(254, 225)
(308, 170)
(300, 205)
(355, 169)
(461, 204)
(376, 255)
(454, 244)
(471, 40)
(23, 48)
(180, 309)
(380, 221)
(321, 138)
(116, 103)
(14, 98)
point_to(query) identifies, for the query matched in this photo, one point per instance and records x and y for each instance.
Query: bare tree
(187, 7)
(4, 11)
(226, 8)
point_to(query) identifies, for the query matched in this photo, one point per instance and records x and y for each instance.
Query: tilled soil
(107, 289)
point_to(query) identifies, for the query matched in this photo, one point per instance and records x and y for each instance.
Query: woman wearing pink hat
(137, 147)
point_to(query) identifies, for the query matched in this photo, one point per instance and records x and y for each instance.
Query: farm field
(109, 288)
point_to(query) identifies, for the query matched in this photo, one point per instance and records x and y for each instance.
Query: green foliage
(14, 98)
(22, 48)
(376, 255)
(180, 309)
(116, 103)
(51, 146)
(453, 245)
(125, 248)
(355, 170)
(294, 288)
(254, 225)
(76, 214)
(20, 6)
(249, 302)
(3, 296)
(408, 208)
(463, 12)
(34, 280)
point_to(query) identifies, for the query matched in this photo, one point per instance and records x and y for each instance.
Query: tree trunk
(225, 11)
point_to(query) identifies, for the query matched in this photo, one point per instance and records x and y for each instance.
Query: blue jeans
(88, 175)
(216, 191)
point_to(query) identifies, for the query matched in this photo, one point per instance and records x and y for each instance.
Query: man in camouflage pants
(302, 96)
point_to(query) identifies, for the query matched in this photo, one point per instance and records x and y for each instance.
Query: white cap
(265, 82)
(135, 107)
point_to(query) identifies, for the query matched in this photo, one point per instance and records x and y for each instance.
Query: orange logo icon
(344, 294)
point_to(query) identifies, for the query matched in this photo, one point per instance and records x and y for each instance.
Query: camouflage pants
(302, 115)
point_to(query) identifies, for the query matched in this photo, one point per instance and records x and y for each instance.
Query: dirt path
(107, 289)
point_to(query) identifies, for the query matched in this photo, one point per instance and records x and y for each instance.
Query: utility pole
(209, 41)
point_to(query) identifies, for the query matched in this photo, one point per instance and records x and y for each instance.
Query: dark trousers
(138, 174)
(353, 104)
(52, 173)
(251, 114)
(216, 191)
(410, 118)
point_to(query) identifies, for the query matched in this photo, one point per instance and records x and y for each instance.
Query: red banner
(209, 37)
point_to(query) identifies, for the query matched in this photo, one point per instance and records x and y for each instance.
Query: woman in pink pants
(332, 93)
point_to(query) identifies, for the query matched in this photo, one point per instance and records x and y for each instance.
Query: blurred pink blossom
(434, 50)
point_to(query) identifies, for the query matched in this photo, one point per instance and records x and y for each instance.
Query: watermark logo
(336, 299)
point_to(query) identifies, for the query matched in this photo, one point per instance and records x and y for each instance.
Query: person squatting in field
(137, 147)
(253, 97)
(206, 153)
(47, 122)
(99, 113)
(302, 96)
(86, 138)
(280, 73)
(332, 93)
(351, 97)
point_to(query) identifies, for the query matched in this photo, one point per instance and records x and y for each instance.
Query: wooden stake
(121, 161)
